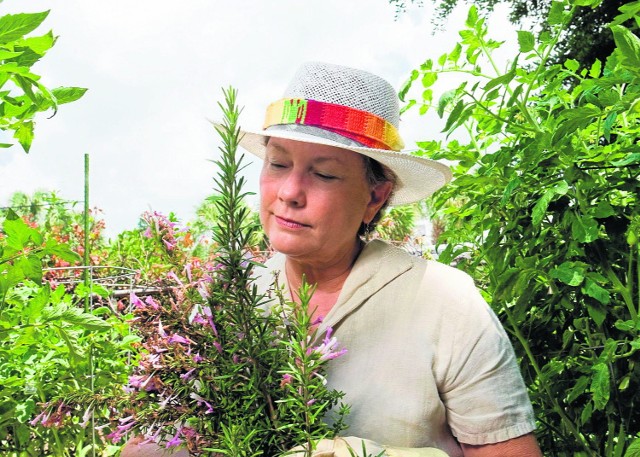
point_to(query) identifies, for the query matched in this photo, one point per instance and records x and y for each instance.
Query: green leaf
(86, 320)
(68, 94)
(598, 313)
(513, 185)
(585, 229)
(625, 326)
(35, 306)
(61, 250)
(4, 54)
(24, 135)
(15, 26)
(445, 99)
(595, 69)
(19, 234)
(83, 291)
(526, 41)
(40, 44)
(428, 79)
(455, 54)
(609, 122)
(634, 449)
(632, 158)
(569, 273)
(578, 389)
(593, 290)
(31, 267)
(472, 16)
(604, 209)
(500, 80)
(586, 413)
(600, 385)
(454, 115)
(556, 13)
(629, 46)
(407, 85)
(572, 65)
(591, 3)
(540, 208)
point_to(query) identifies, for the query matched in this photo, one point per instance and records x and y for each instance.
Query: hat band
(366, 128)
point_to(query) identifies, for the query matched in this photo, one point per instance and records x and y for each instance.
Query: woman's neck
(328, 278)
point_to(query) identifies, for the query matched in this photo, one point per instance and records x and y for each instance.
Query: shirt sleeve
(480, 381)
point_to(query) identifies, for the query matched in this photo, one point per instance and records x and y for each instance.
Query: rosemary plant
(221, 370)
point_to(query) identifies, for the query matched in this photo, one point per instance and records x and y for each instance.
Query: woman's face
(313, 199)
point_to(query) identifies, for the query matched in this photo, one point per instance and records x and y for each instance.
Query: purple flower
(328, 348)
(186, 376)
(136, 381)
(175, 441)
(151, 302)
(198, 319)
(172, 275)
(175, 338)
(135, 301)
(42, 417)
(187, 270)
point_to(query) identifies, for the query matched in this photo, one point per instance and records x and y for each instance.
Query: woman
(428, 363)
(429, 367)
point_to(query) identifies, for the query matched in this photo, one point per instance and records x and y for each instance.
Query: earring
(367, 231)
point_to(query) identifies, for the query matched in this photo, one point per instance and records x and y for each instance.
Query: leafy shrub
(48, 348)
(545, 201)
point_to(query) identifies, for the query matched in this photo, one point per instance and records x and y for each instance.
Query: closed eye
(326, 177)
(276, 165)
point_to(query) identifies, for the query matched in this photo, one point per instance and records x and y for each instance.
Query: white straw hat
(354, 110)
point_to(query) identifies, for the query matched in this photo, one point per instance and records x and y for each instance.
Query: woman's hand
(351, 446)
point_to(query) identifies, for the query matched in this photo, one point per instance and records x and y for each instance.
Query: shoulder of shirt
(433, 268)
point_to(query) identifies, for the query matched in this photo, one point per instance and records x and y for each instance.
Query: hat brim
(418, 177)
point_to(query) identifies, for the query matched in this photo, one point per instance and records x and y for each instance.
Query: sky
(155, 70)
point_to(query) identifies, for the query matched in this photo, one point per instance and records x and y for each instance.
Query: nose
(292, 190)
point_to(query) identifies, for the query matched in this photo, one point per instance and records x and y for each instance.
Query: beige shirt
(428, 362)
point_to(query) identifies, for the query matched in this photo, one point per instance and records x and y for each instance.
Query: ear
(379, 195)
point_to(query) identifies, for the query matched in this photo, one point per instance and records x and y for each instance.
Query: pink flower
(175, 338)
(286, 379)
(135, 301)
(136, 381)
(151, 302)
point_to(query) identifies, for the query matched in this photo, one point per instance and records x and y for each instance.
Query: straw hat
(351, 109)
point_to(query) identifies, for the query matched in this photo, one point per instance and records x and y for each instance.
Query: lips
(289, 223)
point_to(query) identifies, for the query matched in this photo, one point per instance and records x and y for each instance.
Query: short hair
(376, 173)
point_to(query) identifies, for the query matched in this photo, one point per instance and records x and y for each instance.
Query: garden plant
(544, 206)
(213, 371)
(23, 95)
